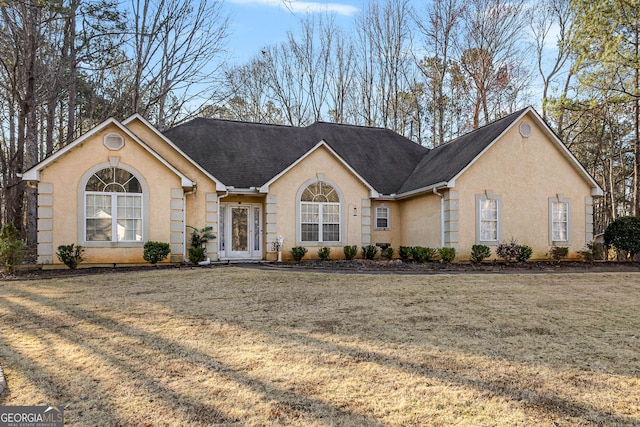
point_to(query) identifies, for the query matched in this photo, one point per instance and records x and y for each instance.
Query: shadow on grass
(443, 368)
(451, 370)
(289, 401)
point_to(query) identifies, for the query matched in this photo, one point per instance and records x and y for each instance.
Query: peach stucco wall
(324, 165)
(525, 172)
(420, 221)
(63, 178)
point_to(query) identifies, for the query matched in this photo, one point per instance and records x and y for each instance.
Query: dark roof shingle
(443, 163)
(244, 155)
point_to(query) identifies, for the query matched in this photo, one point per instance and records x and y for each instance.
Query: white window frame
(82, 208)
(321, 214)
(553, 221)
(387, 217)
(480, 200)
(115, 218)
(321, 208)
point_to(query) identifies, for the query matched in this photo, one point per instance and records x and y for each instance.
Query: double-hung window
(559, 220)
(488, 219)
(113, 207)
(320, 213)
(382, 218)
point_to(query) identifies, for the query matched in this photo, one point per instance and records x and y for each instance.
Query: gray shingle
(245, 155)
(443, 163)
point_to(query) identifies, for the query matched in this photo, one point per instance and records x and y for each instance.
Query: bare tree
(490, 56)
(175, 44)
(439, 30)
(383, 51)
(21, 24)
(547, 16)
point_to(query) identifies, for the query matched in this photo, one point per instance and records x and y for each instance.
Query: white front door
(240, 231)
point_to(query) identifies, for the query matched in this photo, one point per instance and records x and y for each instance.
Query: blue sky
(259, 23)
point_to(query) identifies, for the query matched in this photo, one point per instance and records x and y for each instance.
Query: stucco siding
(393, 235)
(65, 177)
(319, 165)
(421, 221)
(524, 173)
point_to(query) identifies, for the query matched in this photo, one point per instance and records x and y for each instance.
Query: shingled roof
(245, 155)
(443, 163)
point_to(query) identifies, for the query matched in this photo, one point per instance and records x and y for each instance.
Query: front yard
(236, 346)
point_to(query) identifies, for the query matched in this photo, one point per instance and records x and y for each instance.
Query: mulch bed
(355, 266)
(362, 265)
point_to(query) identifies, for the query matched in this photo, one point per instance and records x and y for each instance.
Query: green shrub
(508, 251)
(422, 254)
(323, 253)
(350, 252)
(12, 248)
(559, 252)
(199, 238)
(155, 252)
(198, 254)
(588, 253)
(624, 235)
(447, 254)
(388, 252)
(479, 253)
(70, 255)
(524, 253)
(298, 252)
(369, 251)
(404, 252)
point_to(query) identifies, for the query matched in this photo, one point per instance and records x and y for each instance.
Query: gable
(246, 155)
(443, 165)
(95, 138)
(335, 162)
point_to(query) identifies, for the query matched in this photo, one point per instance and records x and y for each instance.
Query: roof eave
(373, 193)
(427, 189)
(219, 184)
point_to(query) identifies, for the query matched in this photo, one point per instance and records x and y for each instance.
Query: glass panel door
(240, 231)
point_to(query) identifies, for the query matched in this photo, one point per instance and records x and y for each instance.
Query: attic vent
(113, 141)
(525, 129)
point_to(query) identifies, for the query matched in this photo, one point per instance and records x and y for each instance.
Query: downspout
(184, 221)
(218, 239)
(435, 191)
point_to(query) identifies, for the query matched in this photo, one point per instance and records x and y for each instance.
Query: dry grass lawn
(236, 346)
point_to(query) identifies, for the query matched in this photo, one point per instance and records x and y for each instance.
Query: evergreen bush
(298, 252)
(70, 255)
(12, 248)
(447, 255)
(405, 253)
(155, 252)
(369, 251)
(624, 235)
(479, 253)
(323, 253)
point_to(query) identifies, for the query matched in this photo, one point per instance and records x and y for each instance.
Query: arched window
(319, 213)
(113, 207)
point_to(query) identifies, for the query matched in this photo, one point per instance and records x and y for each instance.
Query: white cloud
(303, 6)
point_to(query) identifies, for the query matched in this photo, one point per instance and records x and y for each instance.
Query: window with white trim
(113, 207)
(488, 219)
(382, 218)
(559, 220)
(320, 213)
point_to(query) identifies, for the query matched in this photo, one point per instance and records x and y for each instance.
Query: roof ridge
(322, 122)
(217, 119)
